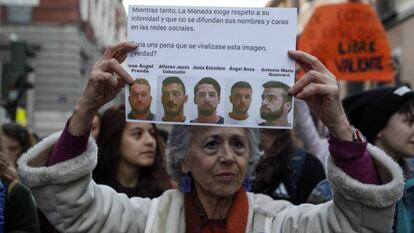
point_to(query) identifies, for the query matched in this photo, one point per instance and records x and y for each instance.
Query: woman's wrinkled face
(138, 144)
(217, 159)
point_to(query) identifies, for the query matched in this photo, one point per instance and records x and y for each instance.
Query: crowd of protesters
(131, 160)
(105, 174)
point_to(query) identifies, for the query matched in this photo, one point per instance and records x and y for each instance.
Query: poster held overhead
(211, 66)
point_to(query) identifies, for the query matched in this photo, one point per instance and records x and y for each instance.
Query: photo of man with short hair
(276, 104)
(207, 98)
(240, 99)
(173, 98)
(140, 100)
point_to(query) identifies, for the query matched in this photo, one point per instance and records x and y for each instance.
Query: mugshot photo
(140, 104)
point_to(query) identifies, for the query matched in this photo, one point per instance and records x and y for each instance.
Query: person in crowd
(385, 116)
(308, 133)
(240, 98)
(276, 104)
(96, 125)
(16, 140)
(210, 164)
(207, 98)
(285, 171)
(173, 98)
(19, 213)
(140, 100)
(130, 159)
(163, 134)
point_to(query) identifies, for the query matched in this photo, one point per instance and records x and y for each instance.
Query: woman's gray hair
(179, 142)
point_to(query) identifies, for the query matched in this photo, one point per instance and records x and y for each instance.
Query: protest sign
(350, 40)
(209, 66)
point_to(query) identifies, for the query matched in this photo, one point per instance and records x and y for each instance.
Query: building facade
(67, 37)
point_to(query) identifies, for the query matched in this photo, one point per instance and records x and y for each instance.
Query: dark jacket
(2, 200)
(296, 179)
(20, 212)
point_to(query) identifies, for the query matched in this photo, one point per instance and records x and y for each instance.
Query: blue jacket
(2, 200)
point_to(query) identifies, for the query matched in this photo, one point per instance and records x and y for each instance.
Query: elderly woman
(214, 161)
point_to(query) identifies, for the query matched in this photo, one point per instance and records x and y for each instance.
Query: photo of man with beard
(173, 98)
(140, 100)
(207, 97)
(276, 104)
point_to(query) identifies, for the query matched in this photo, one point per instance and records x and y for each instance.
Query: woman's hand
(105, 82)
(319, 89)
(7, 168)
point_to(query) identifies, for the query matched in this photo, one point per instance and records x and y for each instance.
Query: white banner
(209, 65)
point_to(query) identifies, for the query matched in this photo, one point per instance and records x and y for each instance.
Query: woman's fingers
(121, 55)
(119, 51)
(314, 89)
(310, 77)
(307, 62)
(113, 66)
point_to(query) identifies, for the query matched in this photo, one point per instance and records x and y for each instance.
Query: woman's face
(12, 147)
(218, 160)
(95, 127)
(397, 137)
(138, 144)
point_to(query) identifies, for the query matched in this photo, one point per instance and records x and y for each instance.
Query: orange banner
(350, 40)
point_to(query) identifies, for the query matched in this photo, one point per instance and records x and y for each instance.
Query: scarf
(196, 220)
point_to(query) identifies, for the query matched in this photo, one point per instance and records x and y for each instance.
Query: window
(19, 14)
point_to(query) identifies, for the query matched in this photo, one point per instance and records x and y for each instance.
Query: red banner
(350, 40)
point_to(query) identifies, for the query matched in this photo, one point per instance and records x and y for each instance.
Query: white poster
(211, 66)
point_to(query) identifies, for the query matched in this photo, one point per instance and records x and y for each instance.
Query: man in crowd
(140, 100)
(276, 104)
(207, 97)
(240, 98)
(173, 99)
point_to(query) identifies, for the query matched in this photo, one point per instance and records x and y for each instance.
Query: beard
(270, 116)
(241, 111)
(206, 111)
(141, 111)
(174, 110)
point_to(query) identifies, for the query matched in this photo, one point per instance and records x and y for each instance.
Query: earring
(185, 183)
(247, 186)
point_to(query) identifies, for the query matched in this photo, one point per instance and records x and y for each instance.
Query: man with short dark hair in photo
(240, 98)
(276, 104)
(207, 97)
(140, 100)
(173, 98)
